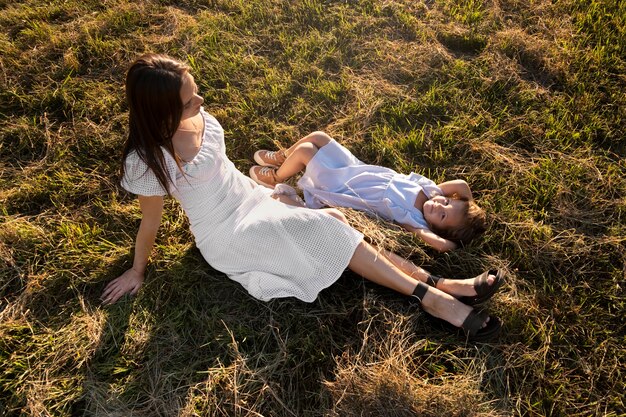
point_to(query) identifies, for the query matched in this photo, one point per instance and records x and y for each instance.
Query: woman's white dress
(336, 178)
(272, 249)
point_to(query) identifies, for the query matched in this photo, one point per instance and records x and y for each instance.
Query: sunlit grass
(524, 100)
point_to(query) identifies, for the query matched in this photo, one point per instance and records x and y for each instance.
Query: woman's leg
(455, 287)
(375, 266)
(371, 264)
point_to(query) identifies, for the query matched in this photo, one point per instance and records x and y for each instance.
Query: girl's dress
(272, 249)
(336, 178)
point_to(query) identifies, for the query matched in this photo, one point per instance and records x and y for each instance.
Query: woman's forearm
(151, 210)
(131, 280)
(146, 235)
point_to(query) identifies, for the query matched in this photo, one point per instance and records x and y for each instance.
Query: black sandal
(484, 291)
(472, 328)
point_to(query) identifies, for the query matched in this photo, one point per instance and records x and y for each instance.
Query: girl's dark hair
(153, 84)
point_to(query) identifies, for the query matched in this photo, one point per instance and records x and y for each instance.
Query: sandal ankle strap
(420, 291)
(433, 280)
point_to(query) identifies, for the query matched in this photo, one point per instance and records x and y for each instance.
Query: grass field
(525, 100)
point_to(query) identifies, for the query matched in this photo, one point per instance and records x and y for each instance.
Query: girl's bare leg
(296, 160)
(318, 139)
(456, 287)
(300, 153)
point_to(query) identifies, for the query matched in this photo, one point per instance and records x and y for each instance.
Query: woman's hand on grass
(127, 283)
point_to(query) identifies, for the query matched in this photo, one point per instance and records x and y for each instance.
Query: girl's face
(444, 213)
(190, 98)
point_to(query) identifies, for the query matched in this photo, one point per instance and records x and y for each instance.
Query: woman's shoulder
(132, 158)
(134, 162)
(136, 166)
(139, 179)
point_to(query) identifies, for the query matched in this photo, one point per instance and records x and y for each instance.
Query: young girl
(442, 215)
(272, 249)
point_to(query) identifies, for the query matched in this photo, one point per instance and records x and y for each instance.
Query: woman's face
(190, 98)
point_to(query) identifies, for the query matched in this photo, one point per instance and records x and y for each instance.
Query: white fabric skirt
(274, 250)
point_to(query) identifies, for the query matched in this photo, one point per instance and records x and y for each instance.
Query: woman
(271, 248)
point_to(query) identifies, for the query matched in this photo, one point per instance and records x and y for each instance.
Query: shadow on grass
(193, 341)
(133, 367)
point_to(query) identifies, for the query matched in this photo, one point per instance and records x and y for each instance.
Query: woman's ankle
(444, 306)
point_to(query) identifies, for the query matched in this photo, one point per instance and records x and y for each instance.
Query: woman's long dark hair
(153, 84)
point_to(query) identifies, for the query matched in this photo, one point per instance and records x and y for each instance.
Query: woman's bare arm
(131, 280)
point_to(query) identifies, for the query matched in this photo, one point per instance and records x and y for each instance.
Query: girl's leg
(275, 159)
(297, 158)
(300, 153)
(318, 138)
(368, 262)
(455, 287)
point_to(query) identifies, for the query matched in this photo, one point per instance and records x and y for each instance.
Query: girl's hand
(127, 283)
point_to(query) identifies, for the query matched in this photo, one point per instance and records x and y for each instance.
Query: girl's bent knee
(306, 151)
(319, 138)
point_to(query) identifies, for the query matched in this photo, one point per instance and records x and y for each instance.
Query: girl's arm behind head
(432, 239)
(458, 187)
